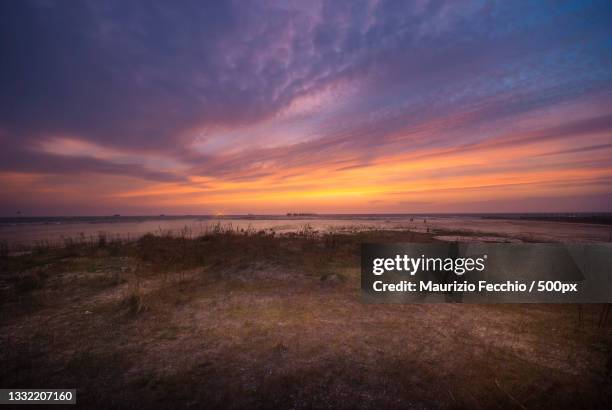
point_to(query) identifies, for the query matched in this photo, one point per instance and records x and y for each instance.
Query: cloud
(265, 92)
(28, 161)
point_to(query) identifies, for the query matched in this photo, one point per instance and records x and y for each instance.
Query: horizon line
(308, 214)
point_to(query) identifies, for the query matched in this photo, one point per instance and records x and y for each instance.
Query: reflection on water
(16, 231)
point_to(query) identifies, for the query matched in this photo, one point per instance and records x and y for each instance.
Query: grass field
(257, 320)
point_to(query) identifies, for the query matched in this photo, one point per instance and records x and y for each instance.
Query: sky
(374, 106)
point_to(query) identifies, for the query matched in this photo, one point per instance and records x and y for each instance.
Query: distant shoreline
(597, 218)
(604, 219)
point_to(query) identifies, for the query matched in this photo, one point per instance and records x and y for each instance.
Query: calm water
(30, 230)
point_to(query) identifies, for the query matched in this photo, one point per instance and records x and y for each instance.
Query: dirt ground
(262, 321)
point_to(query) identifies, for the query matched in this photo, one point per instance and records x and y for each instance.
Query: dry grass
(256, 320)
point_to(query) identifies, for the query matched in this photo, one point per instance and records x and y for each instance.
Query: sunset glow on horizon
(327, 107)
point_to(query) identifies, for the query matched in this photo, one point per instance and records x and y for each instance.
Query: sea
(576, 227)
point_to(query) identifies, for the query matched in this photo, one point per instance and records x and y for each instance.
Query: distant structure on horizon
(300, 214)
